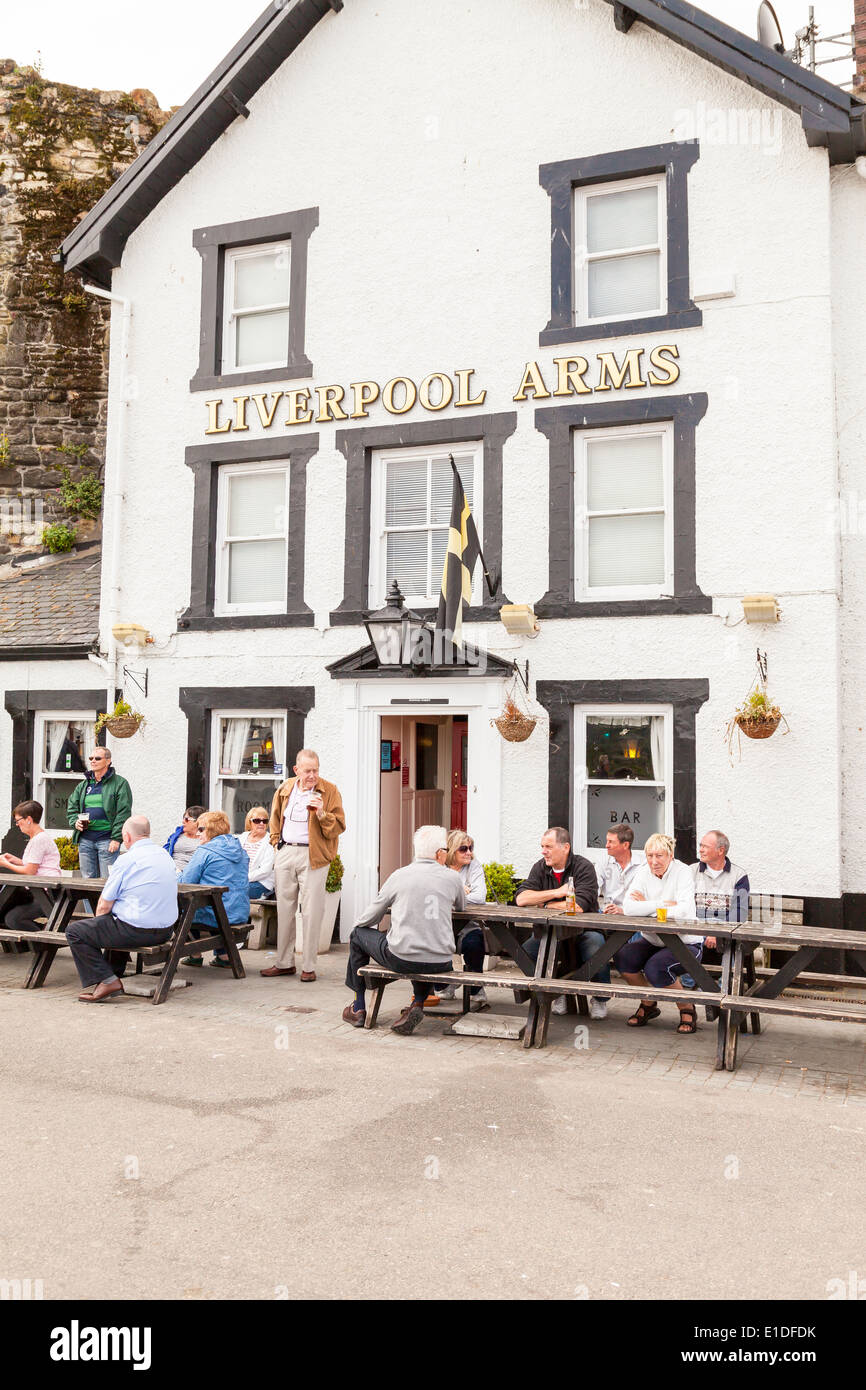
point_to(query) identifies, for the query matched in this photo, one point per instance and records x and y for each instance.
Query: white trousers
(294, 880)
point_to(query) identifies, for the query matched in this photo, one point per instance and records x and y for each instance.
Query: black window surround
(686, 696)
(205, 460)
(358, 446)
(558, 423)
(674, 160)
(23, 706)
(198, 704)
(212, 244)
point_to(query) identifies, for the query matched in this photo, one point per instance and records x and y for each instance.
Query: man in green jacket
(97, 810)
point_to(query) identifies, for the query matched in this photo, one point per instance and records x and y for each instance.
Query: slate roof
(53, 606)
(831, 117)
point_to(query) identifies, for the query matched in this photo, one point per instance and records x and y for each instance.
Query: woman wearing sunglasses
(470, 941)
(183, 842)
(260, 852)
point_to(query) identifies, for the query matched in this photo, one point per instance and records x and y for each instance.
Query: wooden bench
(765, 994)
(263, 918)
(379, 977)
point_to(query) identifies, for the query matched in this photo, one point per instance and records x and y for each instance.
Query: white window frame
(379, 532)
(222, 607)
(583, 437)
(269, 780)
(581, 781)
(42, 718)
(583, 257)
(233, 257)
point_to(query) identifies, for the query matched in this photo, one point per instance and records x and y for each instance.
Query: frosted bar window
(620, 250)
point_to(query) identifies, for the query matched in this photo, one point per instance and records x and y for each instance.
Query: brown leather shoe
(307, 976)
(103, 991)
(408, 1020)
(356, 1019)
(278, 970)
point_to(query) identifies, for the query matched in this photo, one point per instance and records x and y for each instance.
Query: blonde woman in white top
(470, 939)
(661, 882)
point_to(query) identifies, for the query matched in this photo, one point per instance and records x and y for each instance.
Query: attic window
(253, 301)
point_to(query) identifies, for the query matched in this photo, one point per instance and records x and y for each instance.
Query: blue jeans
(94, 859)
(587, 943)
(258, 890)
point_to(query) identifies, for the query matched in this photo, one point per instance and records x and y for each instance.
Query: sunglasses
(258, 820)
(466, 849)
(97, 759)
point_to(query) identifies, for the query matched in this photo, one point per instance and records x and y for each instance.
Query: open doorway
(423, 775)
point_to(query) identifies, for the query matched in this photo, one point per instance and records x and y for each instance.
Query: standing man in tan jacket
(307, 820)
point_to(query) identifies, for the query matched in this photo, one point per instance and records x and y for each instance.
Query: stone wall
(60, 148)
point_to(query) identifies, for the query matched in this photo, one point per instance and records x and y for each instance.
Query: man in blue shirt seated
(138, 907)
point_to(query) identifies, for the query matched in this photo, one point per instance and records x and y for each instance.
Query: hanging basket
(514, 727)
(758, 728)
(124, 727)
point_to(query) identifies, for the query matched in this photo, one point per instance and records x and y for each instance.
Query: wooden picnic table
(65, 894)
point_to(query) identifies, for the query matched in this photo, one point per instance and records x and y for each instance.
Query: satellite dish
(769, 28)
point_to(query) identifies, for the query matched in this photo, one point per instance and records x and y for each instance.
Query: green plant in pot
(501, 882)
(334, 881)
(68, 853)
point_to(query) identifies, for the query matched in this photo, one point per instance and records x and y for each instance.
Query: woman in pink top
(41, 860)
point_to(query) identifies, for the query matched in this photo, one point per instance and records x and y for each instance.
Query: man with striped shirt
(97, 810)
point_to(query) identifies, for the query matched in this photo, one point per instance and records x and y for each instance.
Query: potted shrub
(501, 882)
(123, 721)
(68, 856)
(758, 716)
(333, 893)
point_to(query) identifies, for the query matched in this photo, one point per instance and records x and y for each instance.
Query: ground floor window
(623, 772)
(63, 744)
(248, 759)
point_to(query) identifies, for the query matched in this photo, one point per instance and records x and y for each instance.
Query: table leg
(176, 949)
(58, 920)
(724, 1014)
(543, 1005)
(226, 933)
(732, 1018)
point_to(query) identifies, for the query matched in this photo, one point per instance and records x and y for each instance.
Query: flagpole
(491, 587)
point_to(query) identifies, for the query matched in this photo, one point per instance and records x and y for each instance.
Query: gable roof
(831, 117)
(51, 609)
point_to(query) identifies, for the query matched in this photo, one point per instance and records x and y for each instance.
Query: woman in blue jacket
(220, 858)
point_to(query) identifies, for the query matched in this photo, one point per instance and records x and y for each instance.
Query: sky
(170, 46)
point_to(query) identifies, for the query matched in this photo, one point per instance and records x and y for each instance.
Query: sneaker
(560, 1005)
(408, 1020)
(598, 1008)
(448, 992)
(192, 960)
(356, 1017)
(478, 1002)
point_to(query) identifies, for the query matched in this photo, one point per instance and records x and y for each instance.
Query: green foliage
(82, 498)
(75, 303)
(5, 458)
(68, 853)
(758, 707)
(334, 881)
(122, 710)
(74, 451)
(58, 538)
(501, 882)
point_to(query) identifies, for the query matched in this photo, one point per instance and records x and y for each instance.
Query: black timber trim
(77, 652)
(831, 117)
(358, 445)
(22, 707)
(674, 160)
(95, 247)
(558, 423)
(364, 665)
(623, 17)
(198, 704)
(205, 460)
(212, 243)
(686, 696)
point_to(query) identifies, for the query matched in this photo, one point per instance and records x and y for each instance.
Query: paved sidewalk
(241, 1141)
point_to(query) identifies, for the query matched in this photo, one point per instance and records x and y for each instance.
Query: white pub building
(612, 258)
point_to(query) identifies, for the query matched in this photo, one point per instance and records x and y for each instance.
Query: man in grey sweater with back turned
(420, 898)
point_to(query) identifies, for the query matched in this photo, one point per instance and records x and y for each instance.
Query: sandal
(688, 1019)
(641, 1017)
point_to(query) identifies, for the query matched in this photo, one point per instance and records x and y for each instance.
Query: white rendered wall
(848, 517)
(418, 132)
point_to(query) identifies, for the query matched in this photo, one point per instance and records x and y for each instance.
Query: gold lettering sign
(569, 376)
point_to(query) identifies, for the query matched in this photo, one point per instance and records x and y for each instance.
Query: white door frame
(364, 702)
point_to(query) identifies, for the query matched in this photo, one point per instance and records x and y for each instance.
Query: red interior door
(459, 764)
